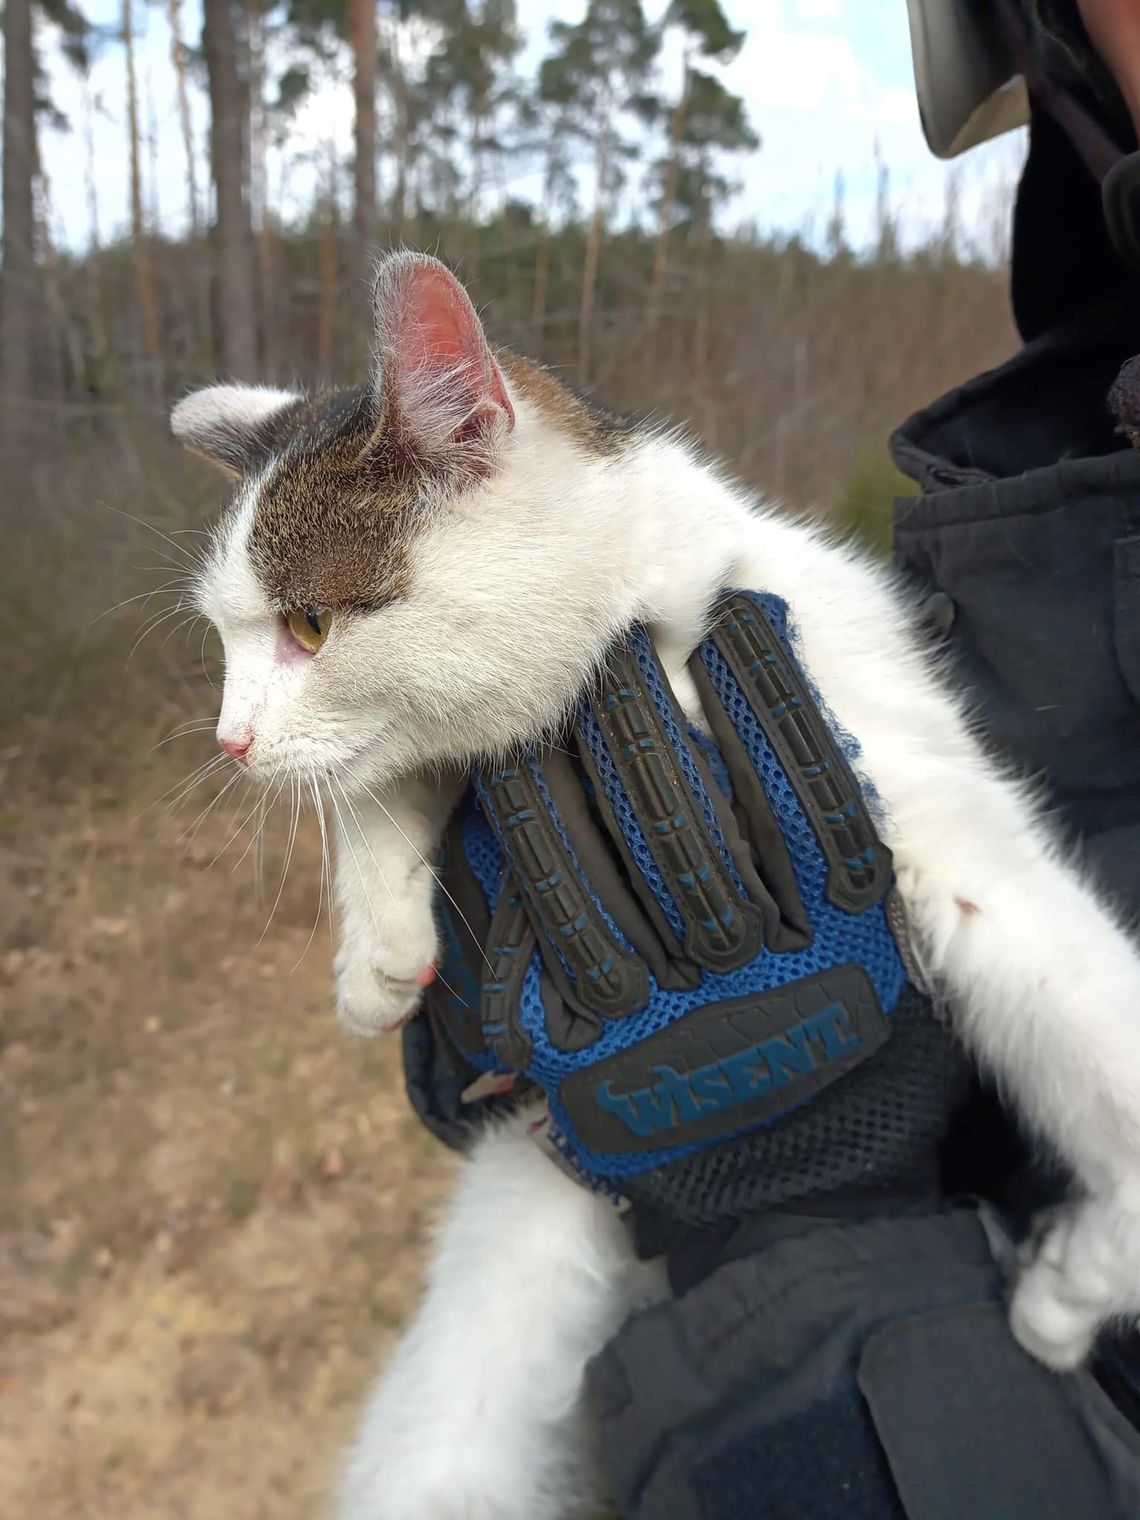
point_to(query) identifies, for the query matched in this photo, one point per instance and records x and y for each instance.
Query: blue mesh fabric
(481, 847)
(839, 937)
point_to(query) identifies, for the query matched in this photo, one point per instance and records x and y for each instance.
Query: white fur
(478, 1416)
(518, 585)
(198, 417)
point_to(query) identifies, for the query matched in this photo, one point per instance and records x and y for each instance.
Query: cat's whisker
(237, 832)
(209, 719)
(191, 833)
(171, 588)
(186, 730)
(347, 837)
(186, 785)
(155, 622)
(187, 733)
(187, 622)
(318, 808)
(355, 816)
(364, 839)
(193, 561)
(260, 807)
(294, 815)
(156, 618)
(270, 802)
(202, 656)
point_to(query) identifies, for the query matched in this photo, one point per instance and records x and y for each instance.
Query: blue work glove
(681, 940)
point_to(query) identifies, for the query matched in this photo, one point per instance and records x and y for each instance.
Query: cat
(425, 570)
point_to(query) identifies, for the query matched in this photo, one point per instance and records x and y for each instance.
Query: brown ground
(216, 1204)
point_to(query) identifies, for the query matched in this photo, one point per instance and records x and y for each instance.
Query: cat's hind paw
(1080, 1268)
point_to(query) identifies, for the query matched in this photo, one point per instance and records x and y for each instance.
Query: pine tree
(467, 76)
(140, 241)
(599, 71)
(178, 58)
(706, 34)
(715, 124)
(232, 233)
(21, 286)
(361, 23)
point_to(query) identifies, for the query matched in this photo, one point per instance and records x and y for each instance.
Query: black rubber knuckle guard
(723, 930)
(859, 865)
(509, 947)
(607, 979)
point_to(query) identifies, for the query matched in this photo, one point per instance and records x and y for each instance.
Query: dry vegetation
(216, 1205)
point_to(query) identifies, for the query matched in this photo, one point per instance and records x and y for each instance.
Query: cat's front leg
(385, 887)
(1045, 987)
(478, 1415)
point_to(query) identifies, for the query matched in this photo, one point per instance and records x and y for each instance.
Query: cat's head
(404, 574)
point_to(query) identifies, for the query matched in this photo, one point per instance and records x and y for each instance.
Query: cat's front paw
(380, 977)
(1080, 1268)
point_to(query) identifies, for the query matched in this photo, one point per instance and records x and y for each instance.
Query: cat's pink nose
(238, 748)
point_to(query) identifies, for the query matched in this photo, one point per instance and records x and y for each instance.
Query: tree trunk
(397, 84)
(258, 134)
(329, 266)
(478, 110)
(234, 325)
(362, 36)
(21, 286)
(140, 243)
(593, 248)
(668, 197)
(243, 14)
(185, 121)
(402, 148)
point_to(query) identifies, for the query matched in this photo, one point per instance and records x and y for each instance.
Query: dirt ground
(215, 1205)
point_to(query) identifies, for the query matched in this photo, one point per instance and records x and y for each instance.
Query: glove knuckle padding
(688, 941)
(745, 660)
(661, 805)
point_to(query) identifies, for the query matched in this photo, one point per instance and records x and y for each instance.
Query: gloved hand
(682, 941)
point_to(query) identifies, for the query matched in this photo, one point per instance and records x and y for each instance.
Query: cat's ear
(236, 427)
(439, 390)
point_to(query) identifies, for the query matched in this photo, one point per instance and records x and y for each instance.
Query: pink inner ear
(438, 330)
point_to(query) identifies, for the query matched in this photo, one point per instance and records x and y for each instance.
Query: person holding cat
(1027, 569)
(713, 825)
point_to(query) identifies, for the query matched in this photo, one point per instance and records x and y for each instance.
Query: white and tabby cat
(425, 570)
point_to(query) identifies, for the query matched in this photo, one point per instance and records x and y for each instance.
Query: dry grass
(216, 1205)
(217, 1208)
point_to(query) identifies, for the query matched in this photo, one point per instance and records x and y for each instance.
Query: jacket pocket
(1126, 610)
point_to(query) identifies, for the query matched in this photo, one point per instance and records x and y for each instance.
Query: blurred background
(214, 1207)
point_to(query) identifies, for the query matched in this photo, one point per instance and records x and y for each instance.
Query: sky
(827, 83)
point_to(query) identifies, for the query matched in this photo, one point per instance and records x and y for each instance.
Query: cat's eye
(309, 626)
